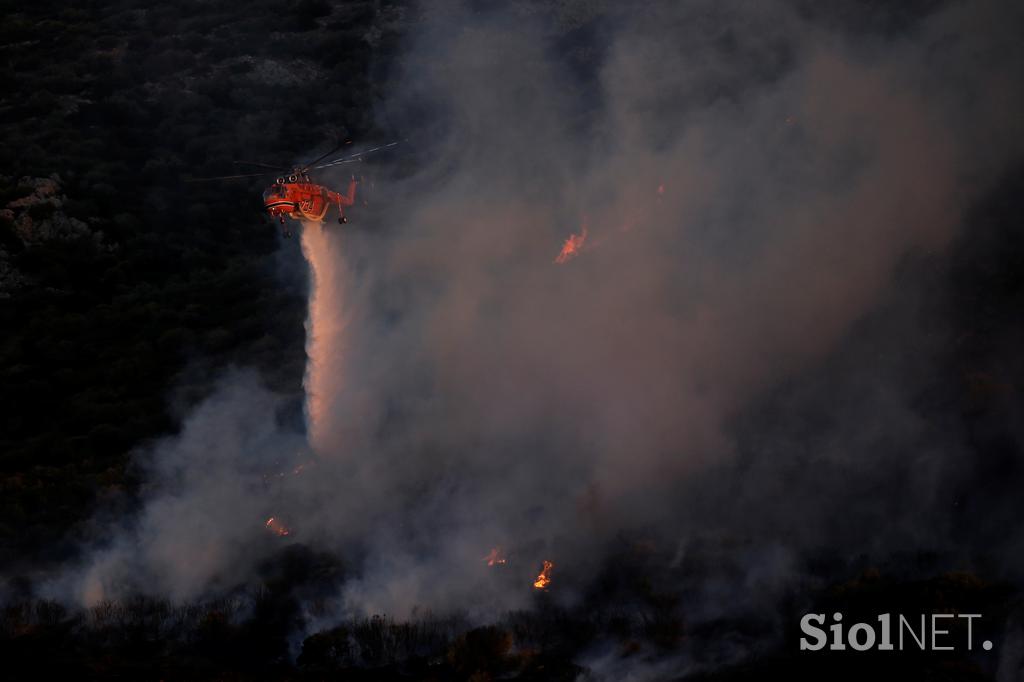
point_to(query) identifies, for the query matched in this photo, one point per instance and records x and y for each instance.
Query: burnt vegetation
(634, 619)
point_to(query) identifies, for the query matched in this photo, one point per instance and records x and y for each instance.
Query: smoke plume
(750, 182)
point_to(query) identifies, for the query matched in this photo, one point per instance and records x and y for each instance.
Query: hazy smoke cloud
(750, 181)
(200, 530)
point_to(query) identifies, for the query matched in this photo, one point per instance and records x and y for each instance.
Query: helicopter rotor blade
(261, 165)
(229, 177)
(354, 157)
(325, 155)
(278, 169)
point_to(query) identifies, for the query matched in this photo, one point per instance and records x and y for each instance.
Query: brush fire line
(277, 528)
(544, 577)
(572, 246)
(495, 557)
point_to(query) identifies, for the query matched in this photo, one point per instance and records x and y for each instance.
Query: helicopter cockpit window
(273, 192)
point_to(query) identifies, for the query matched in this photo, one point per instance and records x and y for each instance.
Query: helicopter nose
(277, 204)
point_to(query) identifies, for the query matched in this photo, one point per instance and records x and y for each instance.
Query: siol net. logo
(933, 632)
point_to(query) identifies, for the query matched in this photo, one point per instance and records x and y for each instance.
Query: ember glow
(544, 577)
(572, 246)
(495, 557)
(276, 527)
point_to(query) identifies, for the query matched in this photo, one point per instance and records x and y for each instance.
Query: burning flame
(572, 245)
(495, 557)
(544, 577)
(276, 527)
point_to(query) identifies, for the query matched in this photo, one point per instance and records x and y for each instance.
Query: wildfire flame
(495, 557)
(572, 245)
(544, 577)
(276, 527)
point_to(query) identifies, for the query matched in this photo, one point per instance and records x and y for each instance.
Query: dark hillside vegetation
(119, 102)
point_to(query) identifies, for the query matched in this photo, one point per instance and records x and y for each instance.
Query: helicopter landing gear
(342, 220)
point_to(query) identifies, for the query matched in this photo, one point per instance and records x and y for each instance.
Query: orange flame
(544, 577)
(276, 527)
(495, 557)
(572, 245)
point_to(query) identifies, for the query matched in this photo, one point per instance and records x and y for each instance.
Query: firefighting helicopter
(294, 195)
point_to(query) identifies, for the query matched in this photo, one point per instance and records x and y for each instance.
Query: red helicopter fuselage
(297, 198)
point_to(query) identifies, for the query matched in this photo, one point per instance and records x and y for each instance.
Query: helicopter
(294, 195)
